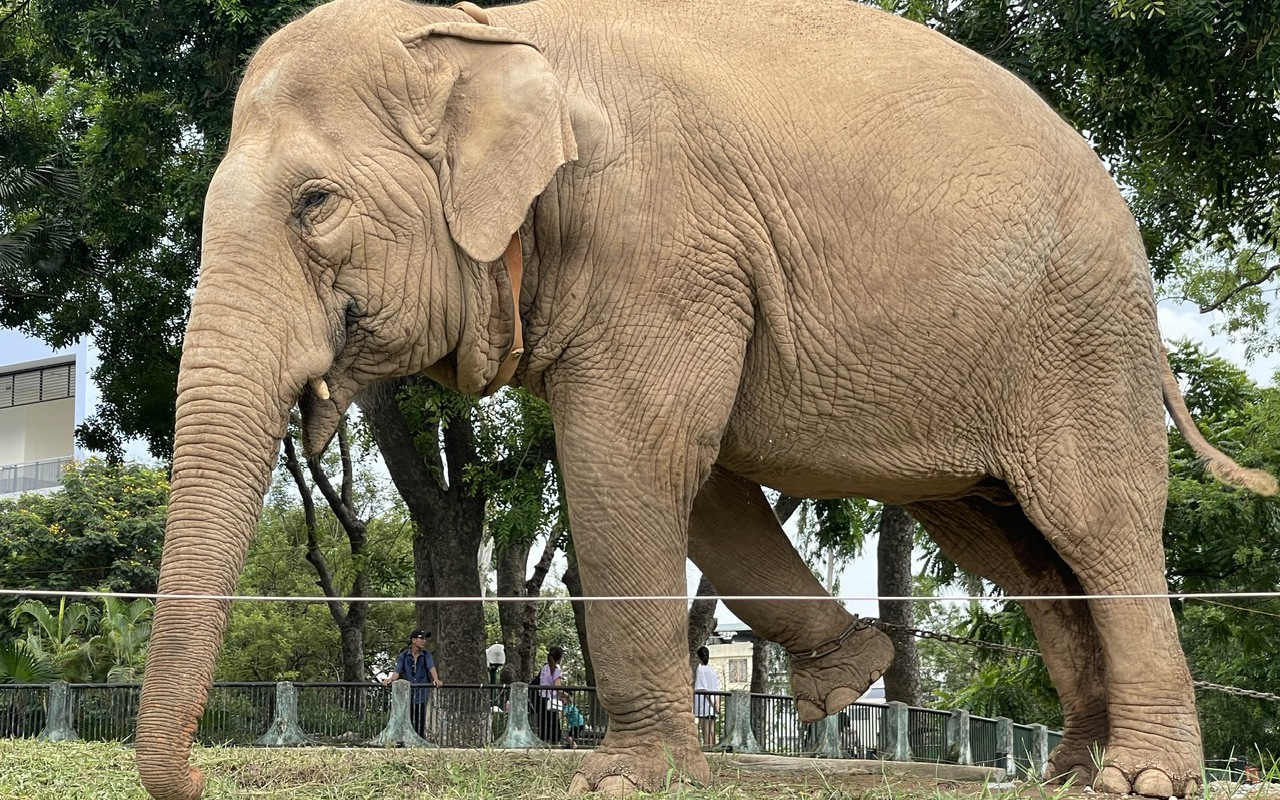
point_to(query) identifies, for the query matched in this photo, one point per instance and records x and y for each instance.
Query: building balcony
(32, 476)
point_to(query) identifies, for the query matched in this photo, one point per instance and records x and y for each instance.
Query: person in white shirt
(550, 701)
(706, 706)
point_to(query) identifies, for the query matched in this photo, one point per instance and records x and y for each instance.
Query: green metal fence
(359, 714)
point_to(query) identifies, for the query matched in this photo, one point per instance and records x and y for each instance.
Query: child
(574, 724)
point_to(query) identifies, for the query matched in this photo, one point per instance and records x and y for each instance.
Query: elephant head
(382, 157)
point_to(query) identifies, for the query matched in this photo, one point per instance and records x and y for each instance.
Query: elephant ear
(497, 128)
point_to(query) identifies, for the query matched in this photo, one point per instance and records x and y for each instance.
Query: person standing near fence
(706, 706)
(549, 700)
(416, 665)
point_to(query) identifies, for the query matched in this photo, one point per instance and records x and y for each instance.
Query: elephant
(797, 244)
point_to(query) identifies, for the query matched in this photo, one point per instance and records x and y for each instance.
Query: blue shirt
(416, 670)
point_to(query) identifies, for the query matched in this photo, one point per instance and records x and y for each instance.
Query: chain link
(952, 639)
(1236, 690)
(826, 649)
(1024, 651)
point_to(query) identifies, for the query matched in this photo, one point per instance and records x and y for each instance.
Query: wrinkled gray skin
(805, 245)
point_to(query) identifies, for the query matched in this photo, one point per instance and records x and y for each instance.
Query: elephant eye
(311, 200)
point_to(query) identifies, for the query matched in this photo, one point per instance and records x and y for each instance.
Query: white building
(41, 403)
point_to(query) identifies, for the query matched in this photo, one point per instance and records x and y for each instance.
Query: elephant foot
(1076, 757)
(616, 770)
(825, 684)
(1149, 782)
(1150, 775)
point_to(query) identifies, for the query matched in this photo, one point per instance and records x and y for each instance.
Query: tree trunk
(448, 518)
(893, 555)
(533, 588)
(510, 563)
(702, 620)
(573, 582)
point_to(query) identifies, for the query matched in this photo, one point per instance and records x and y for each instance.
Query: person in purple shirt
(416, 666)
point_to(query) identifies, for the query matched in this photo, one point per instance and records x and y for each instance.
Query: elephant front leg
(736, 541)
(629, 507)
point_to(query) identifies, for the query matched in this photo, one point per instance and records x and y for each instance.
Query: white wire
(611, 598)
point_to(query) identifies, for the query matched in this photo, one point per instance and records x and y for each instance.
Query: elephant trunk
(239, 377)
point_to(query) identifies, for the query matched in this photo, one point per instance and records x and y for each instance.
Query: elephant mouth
(320, 414)
(324, 398)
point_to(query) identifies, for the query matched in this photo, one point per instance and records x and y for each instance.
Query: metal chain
(827, 648)
(1236, 690)
(1024, 651)
(952, 639)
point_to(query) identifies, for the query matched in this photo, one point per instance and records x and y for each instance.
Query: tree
(59, 642)
(118, 651)
(104, 529)
(896, 535)
(1177, 98)
(19, 665)
(269, 641)
(1223, 540)
(112, 118)
(427, 439)
(341, 501)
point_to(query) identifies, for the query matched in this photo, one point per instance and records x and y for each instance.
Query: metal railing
(361, 714)
(23, 710)
(32, 475)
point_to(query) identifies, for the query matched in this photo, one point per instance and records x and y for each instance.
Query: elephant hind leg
(1000, 544)
(736, 541)
(1097, 493)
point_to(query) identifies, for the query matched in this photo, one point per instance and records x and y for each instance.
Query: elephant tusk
(320, 388)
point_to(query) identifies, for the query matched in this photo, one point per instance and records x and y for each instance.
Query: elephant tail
(1221, 466)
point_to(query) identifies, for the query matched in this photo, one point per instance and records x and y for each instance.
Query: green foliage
(79, 644)
(987, 682)
(59, 643)
(1177, 97)
(1219, 539)
(103, 530)
(112, 118)
(516, 470)
(20, 665)
(555, 627)
(834, 531)
(268, 641)
(119, 650)
(1234, 282)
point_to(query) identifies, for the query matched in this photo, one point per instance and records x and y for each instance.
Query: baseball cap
(422, 633)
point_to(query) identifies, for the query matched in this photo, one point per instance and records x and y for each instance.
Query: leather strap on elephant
(514, 259)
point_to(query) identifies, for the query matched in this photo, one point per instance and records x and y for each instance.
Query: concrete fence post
(284, 730)
(895, 734)
(1004, 747)
(1039, 751)
(958, 748)
(738, 737)
(828, 737)
(59, 719)
(518, 734)
(399, 730)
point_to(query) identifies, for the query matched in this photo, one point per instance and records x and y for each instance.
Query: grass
(100, 771)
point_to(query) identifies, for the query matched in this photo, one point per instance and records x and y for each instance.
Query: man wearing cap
(417, 666)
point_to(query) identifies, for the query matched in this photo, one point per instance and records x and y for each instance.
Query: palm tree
(18, 665)
(28, 237)
(61, 642)
(119, 650)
